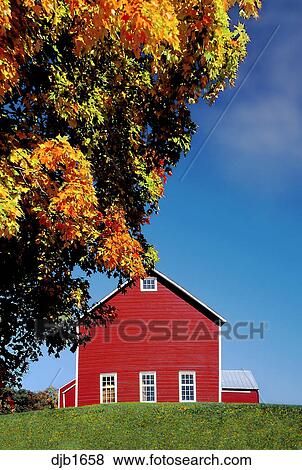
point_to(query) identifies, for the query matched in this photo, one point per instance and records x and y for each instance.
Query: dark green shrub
(25, 400)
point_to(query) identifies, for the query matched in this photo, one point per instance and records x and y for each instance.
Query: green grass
(155, 426)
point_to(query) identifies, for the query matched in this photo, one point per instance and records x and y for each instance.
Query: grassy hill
(155, 426)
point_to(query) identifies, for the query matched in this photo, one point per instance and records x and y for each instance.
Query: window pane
(149, 283)
(108, 388)
(148, 387)
(187, 387)
(147, 379)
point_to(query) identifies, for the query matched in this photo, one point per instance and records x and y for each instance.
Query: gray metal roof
(238, 379)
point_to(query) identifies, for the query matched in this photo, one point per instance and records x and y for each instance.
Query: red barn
(164, 347)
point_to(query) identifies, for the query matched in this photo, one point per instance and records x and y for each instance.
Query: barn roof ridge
(159, 274)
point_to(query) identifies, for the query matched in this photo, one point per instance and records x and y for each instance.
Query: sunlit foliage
(94, 98)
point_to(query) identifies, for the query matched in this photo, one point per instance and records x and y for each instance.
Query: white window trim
(101, 386)
(141, 386)
(148, 290)
(181, 372)
(60, 392)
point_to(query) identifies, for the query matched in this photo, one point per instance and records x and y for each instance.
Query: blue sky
(230, 231)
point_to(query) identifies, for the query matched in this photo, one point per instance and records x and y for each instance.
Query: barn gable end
(165, 346)
(164, 331)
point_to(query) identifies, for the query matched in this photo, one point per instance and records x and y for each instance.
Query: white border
(148, 290)
(141, 386)
(179, 384)
(257, 459)
(106, 374)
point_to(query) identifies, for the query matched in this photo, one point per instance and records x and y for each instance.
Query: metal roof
(238, 379)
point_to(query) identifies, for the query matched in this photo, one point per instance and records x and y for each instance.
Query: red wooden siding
(240, 396)
(167, 358)
(67, 395)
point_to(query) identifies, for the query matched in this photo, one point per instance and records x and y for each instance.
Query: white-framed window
(147, 383)
(187, 385)
(108, 386)
(149, 283)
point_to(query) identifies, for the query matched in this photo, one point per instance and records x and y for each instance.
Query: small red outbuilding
(66, 395)
(239, 386)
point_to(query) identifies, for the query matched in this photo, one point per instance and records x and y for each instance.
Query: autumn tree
(94, 114)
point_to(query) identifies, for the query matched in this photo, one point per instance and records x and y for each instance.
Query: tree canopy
(94, 114)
